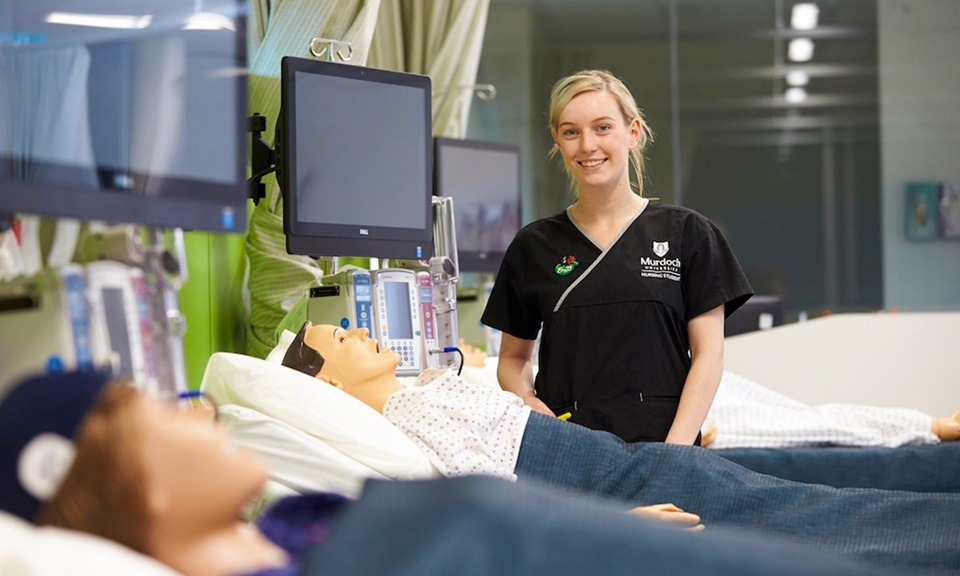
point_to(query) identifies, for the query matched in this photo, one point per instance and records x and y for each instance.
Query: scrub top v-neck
(614, 348)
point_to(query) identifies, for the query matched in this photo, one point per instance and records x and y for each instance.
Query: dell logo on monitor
(364, 232)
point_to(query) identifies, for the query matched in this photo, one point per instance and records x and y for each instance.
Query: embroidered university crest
(661, 248)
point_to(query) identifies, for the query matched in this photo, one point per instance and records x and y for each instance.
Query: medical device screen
(399, 319)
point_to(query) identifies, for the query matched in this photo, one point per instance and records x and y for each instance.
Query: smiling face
(595, 141)
(351, 356)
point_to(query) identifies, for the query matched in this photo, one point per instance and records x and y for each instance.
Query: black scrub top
(614, 348)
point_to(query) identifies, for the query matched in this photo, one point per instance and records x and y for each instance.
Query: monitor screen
(483, 178)
(355, 162)
(399, 322)
(127, 112)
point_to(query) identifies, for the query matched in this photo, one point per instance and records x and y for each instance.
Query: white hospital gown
(749, 415)
(464, 428)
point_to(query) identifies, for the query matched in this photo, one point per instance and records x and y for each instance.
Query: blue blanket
(934, 468)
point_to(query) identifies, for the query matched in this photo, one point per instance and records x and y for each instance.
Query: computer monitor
(126, 112)
(757, 313)
(483, 178)
(354, 160)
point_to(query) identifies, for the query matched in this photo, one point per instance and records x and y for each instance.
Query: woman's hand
(669, 513)
(537, 405)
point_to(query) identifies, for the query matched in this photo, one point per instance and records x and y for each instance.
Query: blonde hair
(104, 491)
(566, 89)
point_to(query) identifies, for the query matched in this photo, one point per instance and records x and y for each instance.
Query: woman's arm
(706, 367)
(515, 370)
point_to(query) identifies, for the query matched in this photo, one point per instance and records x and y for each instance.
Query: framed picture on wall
(948, 211)
(921, 210)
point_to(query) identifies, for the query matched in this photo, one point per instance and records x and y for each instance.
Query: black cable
(262, 173)
(449, 349)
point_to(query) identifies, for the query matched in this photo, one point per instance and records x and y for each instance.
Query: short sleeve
(714, 276)
(508, 309)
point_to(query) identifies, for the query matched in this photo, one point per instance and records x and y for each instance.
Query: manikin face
(595, 140)
(350, 356)
(195, 475)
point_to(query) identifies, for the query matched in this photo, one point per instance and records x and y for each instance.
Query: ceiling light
(798, 78)
(804, 16)
(209, 21)
(201, 20)
(800, 49)
(795, 95)
(99, 20)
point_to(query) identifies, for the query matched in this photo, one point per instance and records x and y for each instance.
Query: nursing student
(629, 295)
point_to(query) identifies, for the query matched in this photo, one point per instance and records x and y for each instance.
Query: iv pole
(329, 50)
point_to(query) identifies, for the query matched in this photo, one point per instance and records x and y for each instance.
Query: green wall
(211, 299)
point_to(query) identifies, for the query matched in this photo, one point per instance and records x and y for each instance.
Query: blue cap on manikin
(38, 419)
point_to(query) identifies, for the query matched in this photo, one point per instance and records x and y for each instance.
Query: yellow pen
(564, 416)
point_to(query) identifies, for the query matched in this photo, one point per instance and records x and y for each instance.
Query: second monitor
(483, 178)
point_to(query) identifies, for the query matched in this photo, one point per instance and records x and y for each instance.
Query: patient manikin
(745, 414)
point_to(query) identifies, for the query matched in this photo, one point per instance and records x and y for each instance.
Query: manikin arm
(515, 371)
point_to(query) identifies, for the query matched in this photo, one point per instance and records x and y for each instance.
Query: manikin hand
(708, 435)
(669, 513)
(472, 356)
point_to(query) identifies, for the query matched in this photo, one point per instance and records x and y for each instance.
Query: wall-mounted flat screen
(355, 160)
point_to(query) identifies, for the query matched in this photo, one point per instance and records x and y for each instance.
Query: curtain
(277, 28)
(441, 39)
(43, 128)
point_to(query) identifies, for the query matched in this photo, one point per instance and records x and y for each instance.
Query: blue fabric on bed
(905, 529)
(483, 526)
(932, 468)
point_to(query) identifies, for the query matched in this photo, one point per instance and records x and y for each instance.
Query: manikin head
(345, 358)
(133, 469)
(608, 91)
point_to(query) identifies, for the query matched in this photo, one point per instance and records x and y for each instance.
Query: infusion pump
(387, 302)
(396, 302)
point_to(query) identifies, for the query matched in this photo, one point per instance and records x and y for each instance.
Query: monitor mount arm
(263, 157)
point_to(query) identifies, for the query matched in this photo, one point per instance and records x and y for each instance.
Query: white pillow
(280, 350)
(318, 409)
(297, 460)
(26, 550)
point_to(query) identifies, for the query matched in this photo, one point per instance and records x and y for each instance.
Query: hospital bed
(907, 360)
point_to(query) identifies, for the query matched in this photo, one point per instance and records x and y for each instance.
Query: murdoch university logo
(661, 248)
